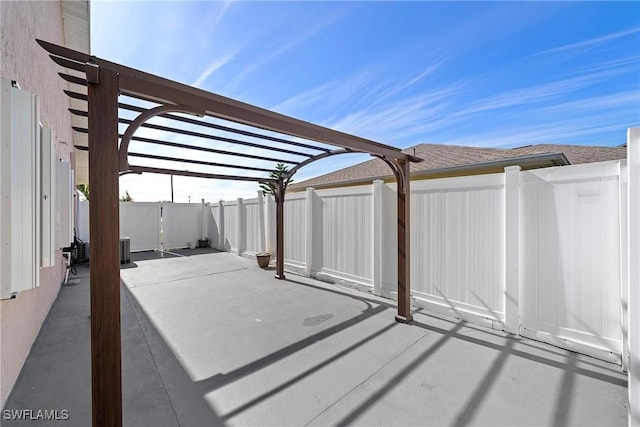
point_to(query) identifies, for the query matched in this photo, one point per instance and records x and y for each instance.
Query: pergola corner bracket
(141, 119)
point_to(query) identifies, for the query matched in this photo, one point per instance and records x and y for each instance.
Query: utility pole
(171, 188)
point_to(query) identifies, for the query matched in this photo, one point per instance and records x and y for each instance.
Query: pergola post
(280, 229)
(106, 379)
(404, 239)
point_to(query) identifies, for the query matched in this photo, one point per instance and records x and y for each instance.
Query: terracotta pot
(263, 260)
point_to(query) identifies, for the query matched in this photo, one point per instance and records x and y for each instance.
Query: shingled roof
(439, 157)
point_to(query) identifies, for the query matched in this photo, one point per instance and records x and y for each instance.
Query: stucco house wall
(24, 61)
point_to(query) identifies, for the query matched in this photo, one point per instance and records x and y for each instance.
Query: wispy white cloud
(294, 40)
(371, 99)
(214, 66)
(582, 120)
(585, 44)
(561, 132)
(407, 83)
(544, 92)
(390, 122)
(220, 13)
(330, 94)
(625, 64)
(596, 103)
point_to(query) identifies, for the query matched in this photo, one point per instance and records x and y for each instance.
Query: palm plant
(280, 172)
(126, 197)
(84, 189)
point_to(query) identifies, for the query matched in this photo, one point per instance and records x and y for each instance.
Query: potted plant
(203, 243)
(263, 259)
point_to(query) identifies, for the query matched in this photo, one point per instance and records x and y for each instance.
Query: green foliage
(270, 187)
(84, 189)
(126, 197)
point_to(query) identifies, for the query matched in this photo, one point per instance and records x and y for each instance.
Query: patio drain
(312, 321)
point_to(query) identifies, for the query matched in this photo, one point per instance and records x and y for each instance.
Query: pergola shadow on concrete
(242, 133)
(333, 357)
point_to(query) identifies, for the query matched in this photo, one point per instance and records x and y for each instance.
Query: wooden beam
(141, 169)
(146, 86)
(106, 379)
(404, 239)
(280, 229)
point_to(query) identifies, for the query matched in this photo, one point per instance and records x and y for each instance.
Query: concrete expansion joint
(373, 374)
(215, 273)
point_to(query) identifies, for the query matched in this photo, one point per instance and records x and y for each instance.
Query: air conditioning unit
(125, 250)
(82, 252)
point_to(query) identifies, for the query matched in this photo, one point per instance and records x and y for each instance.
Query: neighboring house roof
(452, 160)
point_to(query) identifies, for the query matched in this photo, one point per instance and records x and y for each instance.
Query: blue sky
(495, 74)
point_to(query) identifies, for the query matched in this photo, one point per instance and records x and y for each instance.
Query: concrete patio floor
(210, 339)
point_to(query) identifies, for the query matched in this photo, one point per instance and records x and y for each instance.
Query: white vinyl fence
(154, 225)
(239, 225)
(540, 253)
(537, 253)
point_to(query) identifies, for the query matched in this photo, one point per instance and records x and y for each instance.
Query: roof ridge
(443, 156)
(455, 146)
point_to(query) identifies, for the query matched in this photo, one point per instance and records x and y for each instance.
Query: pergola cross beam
(153, 88)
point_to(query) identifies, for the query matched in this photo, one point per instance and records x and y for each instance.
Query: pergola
(241, 132)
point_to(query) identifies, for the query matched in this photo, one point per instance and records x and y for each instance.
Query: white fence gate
(570, 260)
(295, 230)
(141, 223)
(181, 224)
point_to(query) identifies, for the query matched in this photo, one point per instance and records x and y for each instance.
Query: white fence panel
(83, 221)
(64, 204)
(388, 235)
(181, 224)
(295, 229)
(214, 226)
(570, 264)
(457, 244)
(253, 226)
(140, 221)
(346, 222)
(230, 225)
